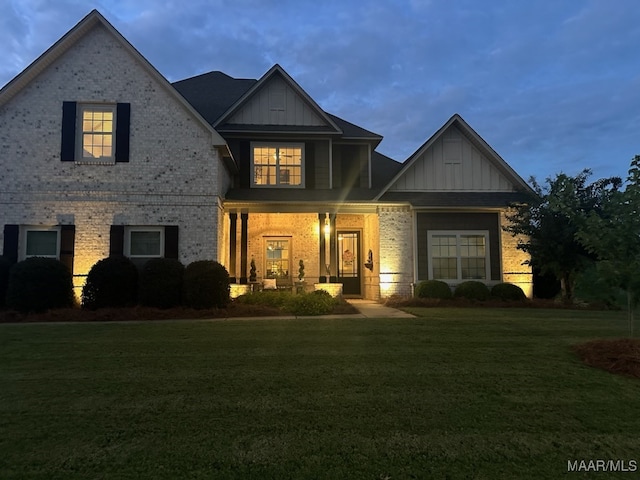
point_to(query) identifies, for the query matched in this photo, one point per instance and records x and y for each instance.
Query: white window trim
(38, 228)
(459, 233)
(80, 158)
(127, 241)
(255, 145)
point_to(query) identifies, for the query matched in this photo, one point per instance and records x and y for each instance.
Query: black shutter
(171, 241)
(116, 241)
(10, 244)
(245, 165)
(67, 241)
(310, 166)
(123, 117)
(68, 146)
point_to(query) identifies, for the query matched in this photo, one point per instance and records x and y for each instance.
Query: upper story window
(277, 165)
(97, 130)
(459, 256)
(95, 133)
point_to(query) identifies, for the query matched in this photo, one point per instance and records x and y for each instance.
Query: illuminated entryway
(349, 262)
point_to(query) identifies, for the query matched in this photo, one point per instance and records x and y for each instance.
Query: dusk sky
(552, 85)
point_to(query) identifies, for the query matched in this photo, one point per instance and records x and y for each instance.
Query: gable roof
(217, 97)
(93, 19)
(273, 72)
(492, 156)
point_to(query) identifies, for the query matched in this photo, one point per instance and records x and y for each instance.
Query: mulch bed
(620, 356)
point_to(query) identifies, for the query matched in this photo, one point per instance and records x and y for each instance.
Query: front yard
(458, 393)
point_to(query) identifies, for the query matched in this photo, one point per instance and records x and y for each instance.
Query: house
(102, 156)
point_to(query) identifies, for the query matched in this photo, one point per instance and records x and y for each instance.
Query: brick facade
(396, 251)
(174, 175)
(514, 269)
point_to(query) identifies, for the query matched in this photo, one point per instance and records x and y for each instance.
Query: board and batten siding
(452, 163)
(277, 104)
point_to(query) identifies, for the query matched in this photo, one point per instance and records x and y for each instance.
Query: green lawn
(457, 393)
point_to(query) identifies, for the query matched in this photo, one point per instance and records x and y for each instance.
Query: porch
(332, 248)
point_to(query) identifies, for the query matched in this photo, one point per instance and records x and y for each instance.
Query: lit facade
(107, 158)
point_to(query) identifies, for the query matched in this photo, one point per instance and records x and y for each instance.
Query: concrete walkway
(371, 309)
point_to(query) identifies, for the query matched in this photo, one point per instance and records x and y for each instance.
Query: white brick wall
(513, 267)
(396, 251)
(174, 176)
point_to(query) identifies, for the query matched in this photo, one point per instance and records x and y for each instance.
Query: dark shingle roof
(213, 93)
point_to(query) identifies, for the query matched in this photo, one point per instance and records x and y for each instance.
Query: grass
(457, 393)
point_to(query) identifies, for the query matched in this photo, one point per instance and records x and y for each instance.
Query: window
(277, 258)
(144, 242)
(458, 255)
(97, 129)
(95, 133)
(41, 242)
(277, 165)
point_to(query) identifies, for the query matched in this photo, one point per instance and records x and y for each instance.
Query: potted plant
(252, 271)
(300, 282)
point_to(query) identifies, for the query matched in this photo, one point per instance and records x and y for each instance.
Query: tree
(613, 236)
(550, 219)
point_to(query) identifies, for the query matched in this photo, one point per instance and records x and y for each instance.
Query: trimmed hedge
(267, 298)
(314, 303)
(318, 302)
(5, 268)
(161, 283)
(508, 292)
(38, 284)
(472, 290)
(433, 289)
(111, 282)
(206, 285)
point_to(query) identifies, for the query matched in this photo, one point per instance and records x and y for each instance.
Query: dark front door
(349, 262)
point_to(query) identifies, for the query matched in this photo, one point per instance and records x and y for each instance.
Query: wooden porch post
(233, 229)
(244, 243)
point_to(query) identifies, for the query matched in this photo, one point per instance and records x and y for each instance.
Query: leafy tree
(613, 235)
(550, 219)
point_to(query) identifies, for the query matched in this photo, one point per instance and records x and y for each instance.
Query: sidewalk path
(372, 309)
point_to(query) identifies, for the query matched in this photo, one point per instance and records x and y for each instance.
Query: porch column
(233, 229)
(322, 274)
(333, 249)
(244, 242)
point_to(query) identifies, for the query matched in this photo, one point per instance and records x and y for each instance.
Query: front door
(349, 262)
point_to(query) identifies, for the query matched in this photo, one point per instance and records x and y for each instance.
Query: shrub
(508, 292)
(5, 267)
(206, 285)
(314, 303)
(433, 289)
(161, 283)
(38, 284)
(472, 290)
(111, 282)
(267, 298)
